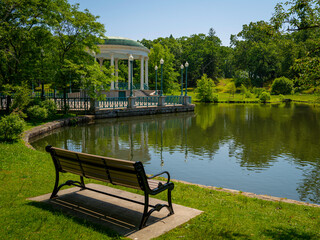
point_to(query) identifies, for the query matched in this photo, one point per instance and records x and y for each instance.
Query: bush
(245, 92)
(37, 113)
(257, 91)
(215, 98)
(282, 85)
(51, 107)
(264, 96)
(205, 89)
(242, 78)
(11, 127)
(231, 88)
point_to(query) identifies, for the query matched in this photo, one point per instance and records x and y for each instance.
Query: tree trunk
(8, 104)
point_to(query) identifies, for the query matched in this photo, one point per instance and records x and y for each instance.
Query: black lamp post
(181, 78)
(161, 63)
(131, 73)
(186, 65)
(156, 68)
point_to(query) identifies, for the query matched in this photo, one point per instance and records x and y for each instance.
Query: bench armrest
(156, 175)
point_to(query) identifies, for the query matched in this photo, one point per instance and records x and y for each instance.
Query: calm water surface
(265, 149)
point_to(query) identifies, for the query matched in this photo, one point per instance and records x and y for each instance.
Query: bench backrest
(115, 171)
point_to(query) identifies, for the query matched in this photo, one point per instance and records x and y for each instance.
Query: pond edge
(47, 127)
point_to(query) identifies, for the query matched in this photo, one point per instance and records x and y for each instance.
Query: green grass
(26, 173)
(239, 98)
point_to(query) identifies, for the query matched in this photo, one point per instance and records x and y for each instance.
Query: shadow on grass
(226, 234)
(280, 233)
(94, 226)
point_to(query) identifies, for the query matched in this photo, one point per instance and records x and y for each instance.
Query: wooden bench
(115, 171)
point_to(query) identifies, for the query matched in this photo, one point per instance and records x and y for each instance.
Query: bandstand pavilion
(118, 48)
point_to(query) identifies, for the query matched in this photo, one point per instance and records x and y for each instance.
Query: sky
(149, 19)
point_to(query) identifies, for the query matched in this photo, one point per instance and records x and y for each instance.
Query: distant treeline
(288, 45)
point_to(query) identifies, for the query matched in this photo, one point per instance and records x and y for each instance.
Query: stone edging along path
(45, 128)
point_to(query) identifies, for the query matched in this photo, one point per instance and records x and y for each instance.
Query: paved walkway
(116, 214)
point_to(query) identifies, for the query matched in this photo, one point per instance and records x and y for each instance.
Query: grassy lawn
(28, 173)
(239, 98)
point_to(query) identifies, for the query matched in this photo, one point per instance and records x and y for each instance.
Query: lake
(270, 149)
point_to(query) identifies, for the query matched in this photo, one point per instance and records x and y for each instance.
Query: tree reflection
(257, 136)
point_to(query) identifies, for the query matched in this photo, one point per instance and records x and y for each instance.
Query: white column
(112, 64)
(141, 73)
(146, 73)
(117, 72)
(129, 71)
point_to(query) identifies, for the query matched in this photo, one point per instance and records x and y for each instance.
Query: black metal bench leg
(82, 183)
(170, 202)
(145, 211)
(55, 189)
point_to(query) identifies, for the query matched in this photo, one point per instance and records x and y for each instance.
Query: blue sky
(138, 19)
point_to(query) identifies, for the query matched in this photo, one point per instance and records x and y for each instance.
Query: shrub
(282, 85)
(51, 107)
(215, 98)
(37, 113)
(231, 88)
(205, 89)
(11, 127)
(264, 96)
(257, 91)
(242, 78)
(245, 92)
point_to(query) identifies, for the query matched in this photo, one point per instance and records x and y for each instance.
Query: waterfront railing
(112, 103)
(86, 104)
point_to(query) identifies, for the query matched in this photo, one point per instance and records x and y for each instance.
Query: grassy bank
(28, 173)
(239, 98)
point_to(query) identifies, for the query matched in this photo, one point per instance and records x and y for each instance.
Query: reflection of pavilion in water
(134, 138)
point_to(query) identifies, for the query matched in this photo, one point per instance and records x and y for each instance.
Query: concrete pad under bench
(119, 215)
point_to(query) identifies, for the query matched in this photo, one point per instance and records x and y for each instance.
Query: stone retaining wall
(140, 111)
(45, 128)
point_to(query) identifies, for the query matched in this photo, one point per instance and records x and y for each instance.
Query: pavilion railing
(86, 104)
(73, 103)
(113, 102)
(147, 101)
(174, 100)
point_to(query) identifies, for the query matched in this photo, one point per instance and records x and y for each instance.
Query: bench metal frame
(143, 182)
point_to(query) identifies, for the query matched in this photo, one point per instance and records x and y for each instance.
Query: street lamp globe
(161, 61)
(187, 64)
(130, 57)
(156, 68)
(181, 66)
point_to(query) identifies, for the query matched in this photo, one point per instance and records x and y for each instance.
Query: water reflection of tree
(309, 188)
(257, 136)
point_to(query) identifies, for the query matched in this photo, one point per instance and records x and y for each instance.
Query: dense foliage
(205, 89)
(264, 97)
(282, 85)
(48, 42)
(286, 46)
(11, 127)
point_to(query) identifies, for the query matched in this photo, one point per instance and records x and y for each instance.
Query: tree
(257, 52)
(76, 34)
(170, 76)
(205, 89)
(20, 21)
(202, 52)
(301, 18)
